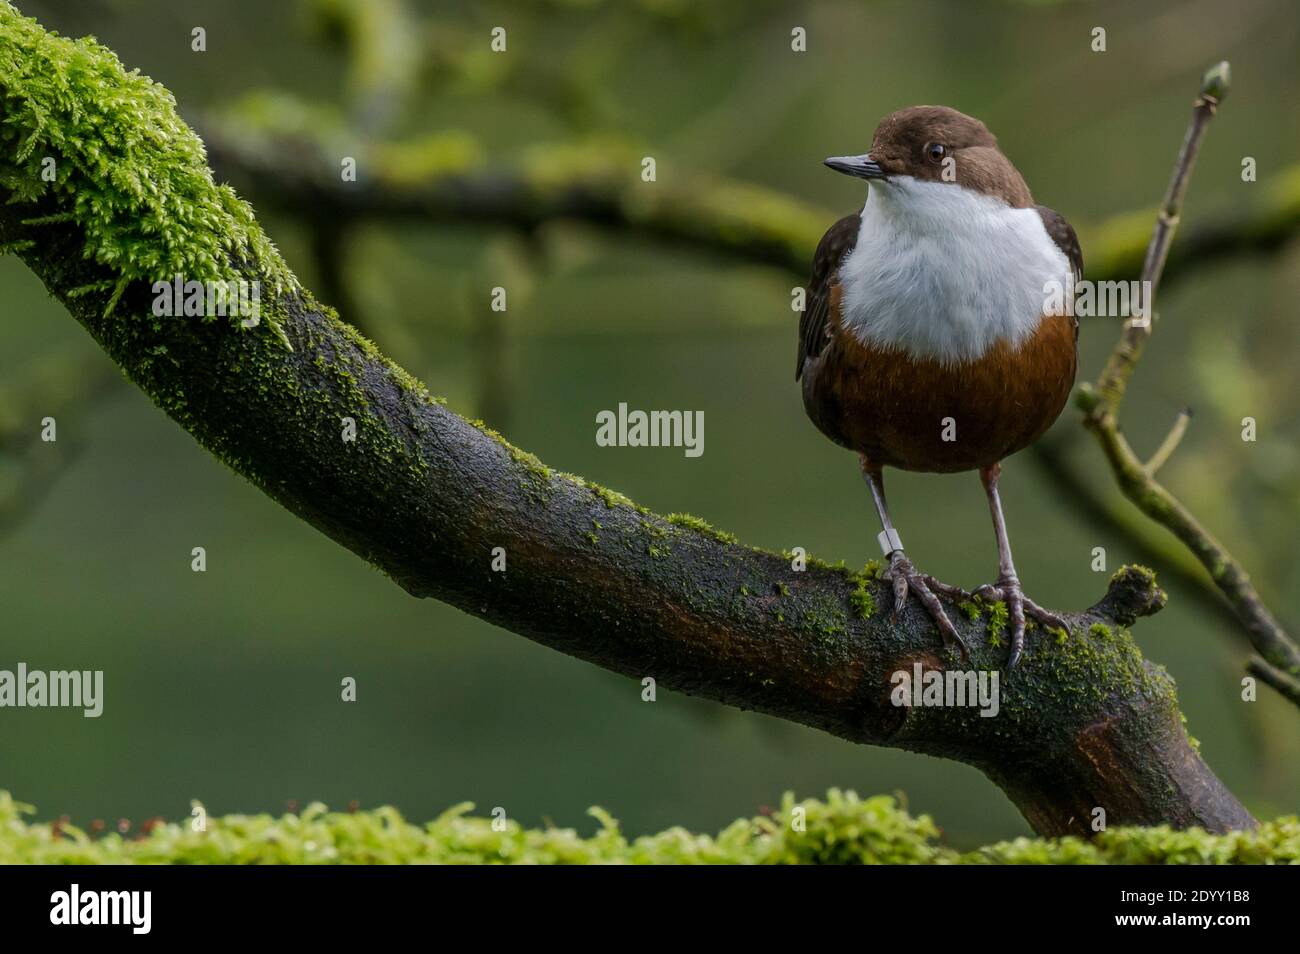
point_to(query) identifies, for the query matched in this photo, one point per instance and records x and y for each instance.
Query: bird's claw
(904, 578)
(1007, 589)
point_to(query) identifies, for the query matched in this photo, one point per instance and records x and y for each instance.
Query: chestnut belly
(926, 416)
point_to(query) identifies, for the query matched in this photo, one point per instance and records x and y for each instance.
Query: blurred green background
(224, 686)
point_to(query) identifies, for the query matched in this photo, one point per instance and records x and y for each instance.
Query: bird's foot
(904, 577)
(1007, 589)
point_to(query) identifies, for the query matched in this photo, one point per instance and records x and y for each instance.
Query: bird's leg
(1007, 587)
(902, 575)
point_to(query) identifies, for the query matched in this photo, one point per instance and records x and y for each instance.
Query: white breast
(943, 272)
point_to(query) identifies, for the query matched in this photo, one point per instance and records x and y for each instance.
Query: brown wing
(1061, 232)
(835, 244)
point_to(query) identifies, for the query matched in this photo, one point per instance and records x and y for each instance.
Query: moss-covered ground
(840, 829)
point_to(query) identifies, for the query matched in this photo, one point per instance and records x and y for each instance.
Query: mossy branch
(1101, 406)
(1084, 722)
(443, 179)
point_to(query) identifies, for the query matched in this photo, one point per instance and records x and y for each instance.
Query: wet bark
(1083, 723)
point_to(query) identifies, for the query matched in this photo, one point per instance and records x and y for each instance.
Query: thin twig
(1170, 443)
(1079, 492)
(1280, 681)
(1101, 402)
(1119, 368)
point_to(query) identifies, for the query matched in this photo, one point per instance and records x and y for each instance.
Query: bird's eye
(934, 151)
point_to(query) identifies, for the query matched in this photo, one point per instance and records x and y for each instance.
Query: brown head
(938, 144)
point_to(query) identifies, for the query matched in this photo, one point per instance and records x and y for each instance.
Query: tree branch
(1079, 493)
(1083, 723)
(598, 184)
(1101, 405)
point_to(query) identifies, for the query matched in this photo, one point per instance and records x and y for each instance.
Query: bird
(928, 342)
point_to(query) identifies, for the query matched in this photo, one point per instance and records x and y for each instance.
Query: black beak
(861, 167)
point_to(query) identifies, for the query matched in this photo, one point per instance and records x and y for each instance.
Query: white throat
(943, 272)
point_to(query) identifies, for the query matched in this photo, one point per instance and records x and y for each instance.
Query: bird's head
(936, 144)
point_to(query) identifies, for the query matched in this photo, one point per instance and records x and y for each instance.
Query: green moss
(782, 589)
(610, 498)
(826, 622)
(840, 829)
(127, 171)
(1101, 631)
(863, 603)
(1144, 573)
(997, 621)
(700, 526)
(970, 609)
(540, 474)
(1087, 675)
(1276, 842)
(530, 462)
